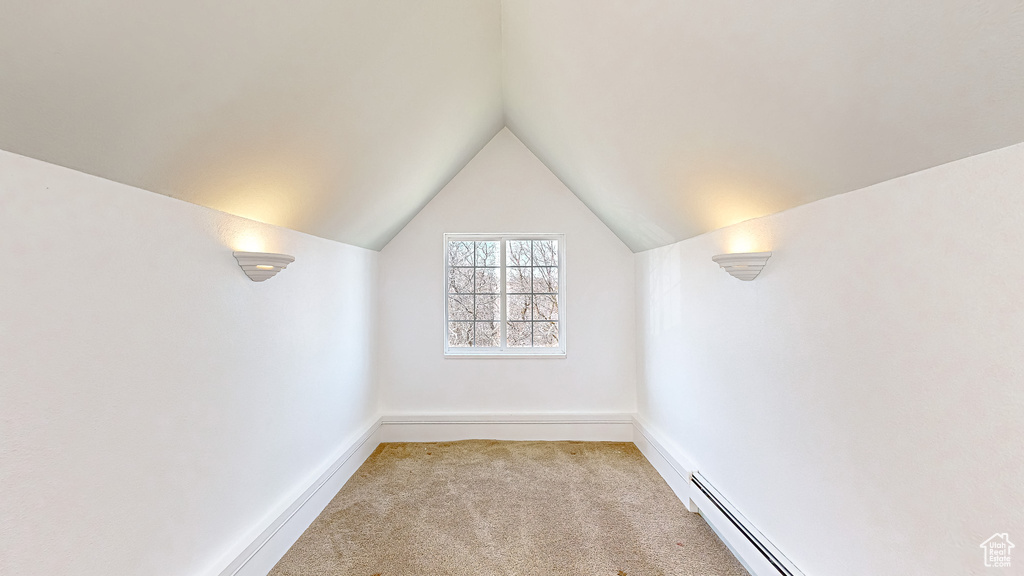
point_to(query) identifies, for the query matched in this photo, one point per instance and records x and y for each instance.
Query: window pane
(518, 253)
(477, 301)
(518, 334)
(518, 281)
(545, 334)
(545, 307)
(460, 307)
(545, 280)
(488, 334)
(487, 308)
(460, 334)
(519, 307)
(545, 252)
(487, 280)
(460, 253)
(460, 280)
(487, 254)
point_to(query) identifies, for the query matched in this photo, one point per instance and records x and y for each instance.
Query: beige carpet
(483, 507)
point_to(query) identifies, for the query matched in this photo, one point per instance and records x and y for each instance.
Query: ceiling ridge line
(501, 60)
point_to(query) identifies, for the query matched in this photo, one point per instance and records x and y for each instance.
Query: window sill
(501, 356)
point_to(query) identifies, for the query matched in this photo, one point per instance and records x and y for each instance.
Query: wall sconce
(259, 266)
(745, 265)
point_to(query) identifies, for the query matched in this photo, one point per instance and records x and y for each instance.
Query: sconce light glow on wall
(744, 265)
(259, 266)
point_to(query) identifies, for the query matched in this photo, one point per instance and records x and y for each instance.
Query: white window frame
(506, 351)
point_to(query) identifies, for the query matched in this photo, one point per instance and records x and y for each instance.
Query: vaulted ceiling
(668, 118)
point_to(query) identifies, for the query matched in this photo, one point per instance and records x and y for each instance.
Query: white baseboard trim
(267, 549)
(453, 427)
(273, 542)
(677, 472)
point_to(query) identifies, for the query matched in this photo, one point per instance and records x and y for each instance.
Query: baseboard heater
(770, 552)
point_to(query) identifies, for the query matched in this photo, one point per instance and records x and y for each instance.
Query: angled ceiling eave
(479, 146)
(548, 165)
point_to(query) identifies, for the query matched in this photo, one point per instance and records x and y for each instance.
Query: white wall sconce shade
(259, 266)
(745, 265)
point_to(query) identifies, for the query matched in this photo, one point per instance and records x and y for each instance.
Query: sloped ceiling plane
(668, 119)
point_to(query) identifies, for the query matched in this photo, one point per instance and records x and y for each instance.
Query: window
(504, 295)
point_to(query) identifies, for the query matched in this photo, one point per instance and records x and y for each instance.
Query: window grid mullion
(501, 298)
(503, 294)
(533, 302)
(473, 311)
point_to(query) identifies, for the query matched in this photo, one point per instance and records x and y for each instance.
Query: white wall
(506, 189)
(862, 401)
(158, 408)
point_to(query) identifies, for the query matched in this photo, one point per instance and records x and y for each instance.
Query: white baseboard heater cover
(769, 551)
